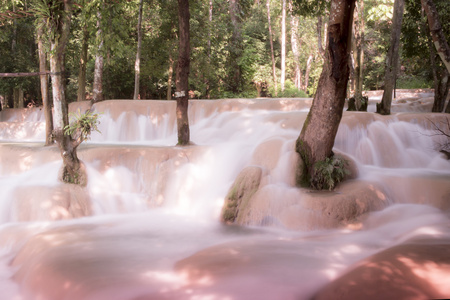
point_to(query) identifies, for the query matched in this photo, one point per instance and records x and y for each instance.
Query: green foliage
(413, 82)
(290, 91)
(82, 125)
(329, 172)
(311, 7)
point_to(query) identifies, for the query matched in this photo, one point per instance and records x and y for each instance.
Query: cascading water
(154, 231)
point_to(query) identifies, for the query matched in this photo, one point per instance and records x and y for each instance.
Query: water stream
(154, 232)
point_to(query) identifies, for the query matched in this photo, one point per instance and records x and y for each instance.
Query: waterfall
(148, 218)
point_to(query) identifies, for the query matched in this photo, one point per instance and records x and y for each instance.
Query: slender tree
(392, 58)
(137, 64)
(295, 47)
(182, 76)
(319, 36)
(358, 46)
(97, 94)
(274, 73)
(283, 45)
(44, 85)
(81, 93)
(308, 69)
(317, 137)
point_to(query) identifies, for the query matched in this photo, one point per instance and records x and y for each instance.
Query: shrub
(329, 172)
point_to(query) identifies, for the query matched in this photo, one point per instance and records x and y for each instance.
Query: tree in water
(56, 15)
(391, 67)
(316, 139)
(182, 79)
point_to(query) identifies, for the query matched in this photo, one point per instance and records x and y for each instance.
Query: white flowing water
(155, 230)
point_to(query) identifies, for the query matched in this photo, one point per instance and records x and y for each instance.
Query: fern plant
(329, 172)
(82, 125)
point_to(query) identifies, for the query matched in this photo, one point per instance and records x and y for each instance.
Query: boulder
(407, 271)
(242, 190)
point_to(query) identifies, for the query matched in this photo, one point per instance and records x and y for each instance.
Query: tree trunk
(295, 47)
(437, 34)
(182, 80)
(210, 12)
(319, 37)
(271, 49)
(283, 45)
(81, 94)
(391, 65)
(137, 64)
(44, 88)
(71, 168)
(170, 75)
(359, 44)
(236, 47)
(97, 94)
(308, 68)
(317, 137)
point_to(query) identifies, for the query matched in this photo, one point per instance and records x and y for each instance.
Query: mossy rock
(243, 188)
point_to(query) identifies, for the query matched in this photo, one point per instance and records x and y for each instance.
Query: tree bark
(283, 45)
(182, 80)
(97, 94)
(44, 88)
(137, 64)
(391, 65)
(274, 73)
(317, 137)
(81, 93)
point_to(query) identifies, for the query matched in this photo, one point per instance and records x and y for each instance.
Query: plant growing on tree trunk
(316, 139)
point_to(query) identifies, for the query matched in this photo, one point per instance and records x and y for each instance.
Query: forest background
(232, 42)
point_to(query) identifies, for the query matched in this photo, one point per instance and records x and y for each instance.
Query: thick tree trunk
(137, 64)
(81, 94)
(97, 94)
(182, 81)
(283, 45)
(391, 65)
(317, 137)
(44, 89)
(295, 47)
(274, 73)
